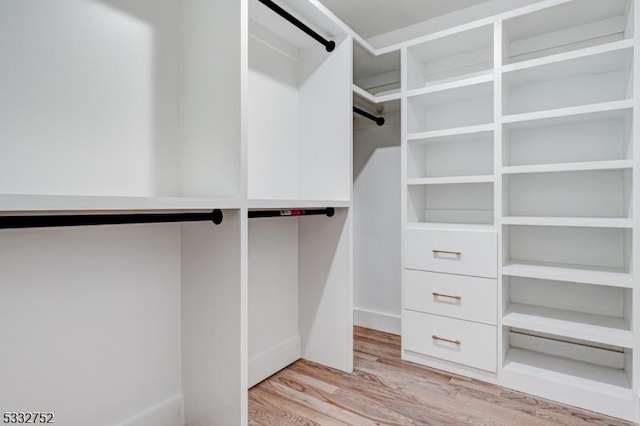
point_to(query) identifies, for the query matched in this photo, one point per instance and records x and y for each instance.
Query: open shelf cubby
(461, 155)
(568, 363)
(587, 80)
(601, 314)
(377, 75)
(574, 250)
(468, 203)
(294, 88)
(580, 194)
(454, 108)
(455, 57)
(569, 26)
(583, 138)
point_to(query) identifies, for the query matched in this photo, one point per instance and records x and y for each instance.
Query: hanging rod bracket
(378, 120)
(50, 221)
(330, 45)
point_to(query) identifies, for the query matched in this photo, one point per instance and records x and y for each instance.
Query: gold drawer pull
(455, 342)
(448, 296)
(457, 253)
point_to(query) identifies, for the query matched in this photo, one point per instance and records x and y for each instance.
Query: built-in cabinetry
(520, 190)
(170, 106)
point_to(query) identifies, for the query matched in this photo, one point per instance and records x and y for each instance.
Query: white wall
(377, 224)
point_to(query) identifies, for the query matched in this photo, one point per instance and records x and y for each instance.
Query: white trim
(166, 413)
(381, 321)
(274, 359)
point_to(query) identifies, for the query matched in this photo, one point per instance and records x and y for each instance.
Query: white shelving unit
(122, 107)
(299, 153)
(171, 106)
(524, 125)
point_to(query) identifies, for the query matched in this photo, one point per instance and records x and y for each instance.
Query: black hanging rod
(379, 120)
(330, 45)
(49, 221)
(330, 211)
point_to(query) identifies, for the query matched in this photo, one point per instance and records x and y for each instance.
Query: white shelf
(457, 131)
(569, 273)
(589, 222)
(296, 204)
(592, 377)
(568, 112)
(452, 226)
(64, 203)
(376, 99)
(569, 167)
(576, 54)
(440, 86)
(577, 325)
(451, 180)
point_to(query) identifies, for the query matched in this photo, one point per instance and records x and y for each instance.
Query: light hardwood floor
(384, 390)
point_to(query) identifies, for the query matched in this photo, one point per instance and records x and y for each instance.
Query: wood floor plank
(385, 390)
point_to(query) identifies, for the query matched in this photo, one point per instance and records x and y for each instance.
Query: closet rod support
(329, 211)
(50, 221)
(330, 45)
(378, 120)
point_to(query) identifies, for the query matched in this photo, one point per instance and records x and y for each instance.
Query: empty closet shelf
(569, 273)
(451, 180)
(587, 222)
(578, 325)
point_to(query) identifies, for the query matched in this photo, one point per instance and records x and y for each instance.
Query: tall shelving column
(567, 220)
(448, 176)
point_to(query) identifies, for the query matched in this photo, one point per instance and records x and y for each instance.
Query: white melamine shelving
(578, 325)
(615, 277)
(452, 58)
(450, 180)
(588, 222)
(299, 150)
(566, 28)
(138, 109)
(569, 167)
(559, 370)
(71, 203)
(292, 81)
(594, 138)
(532, 135)
(586, 80)
(450, 109)
(378, 76)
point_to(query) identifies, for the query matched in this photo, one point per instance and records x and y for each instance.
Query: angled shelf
(452, 226)
(295, 204)
(577, 325)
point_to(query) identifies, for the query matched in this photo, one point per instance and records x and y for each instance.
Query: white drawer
(457, 296)
(457, 252)
(459, 341)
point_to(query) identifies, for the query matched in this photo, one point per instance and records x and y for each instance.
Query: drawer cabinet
(454, 340)
(456, 252)
(457, 296)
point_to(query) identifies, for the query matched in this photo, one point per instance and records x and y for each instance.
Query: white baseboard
(380, 321)
(274, 359)
(166, 413)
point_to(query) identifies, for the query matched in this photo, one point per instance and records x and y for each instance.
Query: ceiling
(373, 17)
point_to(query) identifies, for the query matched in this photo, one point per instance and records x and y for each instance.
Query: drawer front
(457, 252)
(453, 340)
(457, 296)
